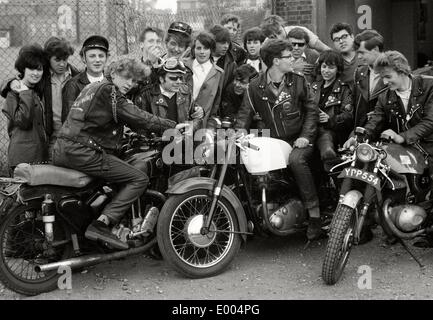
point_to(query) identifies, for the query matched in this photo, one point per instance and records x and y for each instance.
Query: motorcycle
(385, 182)
(206, 219)
(50, 208)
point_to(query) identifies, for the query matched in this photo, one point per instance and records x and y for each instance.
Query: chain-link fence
(29, 21)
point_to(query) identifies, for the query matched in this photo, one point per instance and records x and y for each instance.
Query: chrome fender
(195, 183)
(352, 198)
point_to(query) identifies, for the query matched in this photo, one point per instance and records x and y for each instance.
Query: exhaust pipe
(93, 259)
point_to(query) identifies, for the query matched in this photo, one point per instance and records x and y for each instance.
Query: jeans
(108, 167)
(299, 160)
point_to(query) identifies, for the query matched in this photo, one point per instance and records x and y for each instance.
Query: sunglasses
(298, 44)
(175, 78)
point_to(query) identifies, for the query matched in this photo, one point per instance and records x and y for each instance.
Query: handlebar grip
(252, 146)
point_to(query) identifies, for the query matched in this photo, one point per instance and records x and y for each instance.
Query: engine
(407, 217)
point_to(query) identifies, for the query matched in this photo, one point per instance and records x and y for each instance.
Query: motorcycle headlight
(365, 153)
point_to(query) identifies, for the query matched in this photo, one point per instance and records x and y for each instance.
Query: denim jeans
(299, 164)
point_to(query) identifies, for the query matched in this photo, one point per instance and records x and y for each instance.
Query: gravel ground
(269, 269)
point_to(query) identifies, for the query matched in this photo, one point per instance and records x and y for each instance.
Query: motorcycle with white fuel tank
(383, 181)
(47, 210)
(249, 191)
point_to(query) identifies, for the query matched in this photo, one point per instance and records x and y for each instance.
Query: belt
(85, 141)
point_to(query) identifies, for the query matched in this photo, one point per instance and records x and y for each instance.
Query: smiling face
(174, 49)
(299, 46)
(172, 81)
(202, 54)
(393, 79)
(32, 76)
(253, 47)
(240, 85)
(328, 72)
(343, 41)
(95, 60)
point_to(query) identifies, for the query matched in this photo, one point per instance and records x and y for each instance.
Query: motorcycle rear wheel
(21, 239)
(339, 244)
(186, 250)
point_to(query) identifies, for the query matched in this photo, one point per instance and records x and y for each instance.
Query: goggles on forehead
(174, 65)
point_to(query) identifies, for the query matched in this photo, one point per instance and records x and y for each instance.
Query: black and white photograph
(216, 159)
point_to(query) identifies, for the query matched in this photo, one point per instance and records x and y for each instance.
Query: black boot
(314, 231)
(98, 230)
(366, 235)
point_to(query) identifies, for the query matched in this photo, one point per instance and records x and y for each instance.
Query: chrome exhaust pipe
(393, 228)
(93, 259)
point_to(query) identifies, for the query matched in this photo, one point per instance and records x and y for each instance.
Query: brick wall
(296, 12)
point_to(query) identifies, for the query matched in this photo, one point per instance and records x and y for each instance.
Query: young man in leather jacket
(283, 101)
(91, 137)
(405, 110)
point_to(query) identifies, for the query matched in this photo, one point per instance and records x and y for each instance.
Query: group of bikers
(282, 78)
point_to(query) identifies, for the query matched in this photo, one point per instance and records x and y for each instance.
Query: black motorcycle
(385, 183)
(249, 191)
(48, 209)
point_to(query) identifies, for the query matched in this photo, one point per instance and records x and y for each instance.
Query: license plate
(361, 175)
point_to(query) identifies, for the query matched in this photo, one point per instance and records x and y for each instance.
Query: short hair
(31, 56)
(158, 31)
(133, 68)
(253, 34)
(271, 24)
(333, 58)
(299, 33)
(181, 39)
(245, 71)
(272, 49)
(372, 39)
(58, 47)
(221, 34)
(207, 39)
(337, 27)
(230, 18)
(394, 60)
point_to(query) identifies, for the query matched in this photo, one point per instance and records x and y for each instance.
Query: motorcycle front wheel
(184, 247)
(339, 245)
(23, 246)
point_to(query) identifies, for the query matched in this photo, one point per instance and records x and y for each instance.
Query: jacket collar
(83, 78)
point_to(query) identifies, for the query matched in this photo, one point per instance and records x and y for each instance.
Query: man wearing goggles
(170, 97)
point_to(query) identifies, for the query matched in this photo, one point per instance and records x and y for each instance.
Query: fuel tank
(404, 159)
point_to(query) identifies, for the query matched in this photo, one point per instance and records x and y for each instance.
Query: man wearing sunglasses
(284, 103)
(305, 58)
(170, 97)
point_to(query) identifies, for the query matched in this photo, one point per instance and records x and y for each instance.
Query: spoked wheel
(339, 244)
(23, 246)
(191, 253)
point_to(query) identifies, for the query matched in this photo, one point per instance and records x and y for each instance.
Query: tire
(184, 251)
(339, 244)
(21, 236)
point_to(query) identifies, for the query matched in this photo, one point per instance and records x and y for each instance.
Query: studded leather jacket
(291, 115)
(416, 124)
(98, 116)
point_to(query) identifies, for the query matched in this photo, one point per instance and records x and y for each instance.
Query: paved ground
(273, 268)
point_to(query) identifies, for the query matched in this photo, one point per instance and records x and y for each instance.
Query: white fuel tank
(273, 154)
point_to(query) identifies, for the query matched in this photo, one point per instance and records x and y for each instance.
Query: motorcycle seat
(46, 174)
